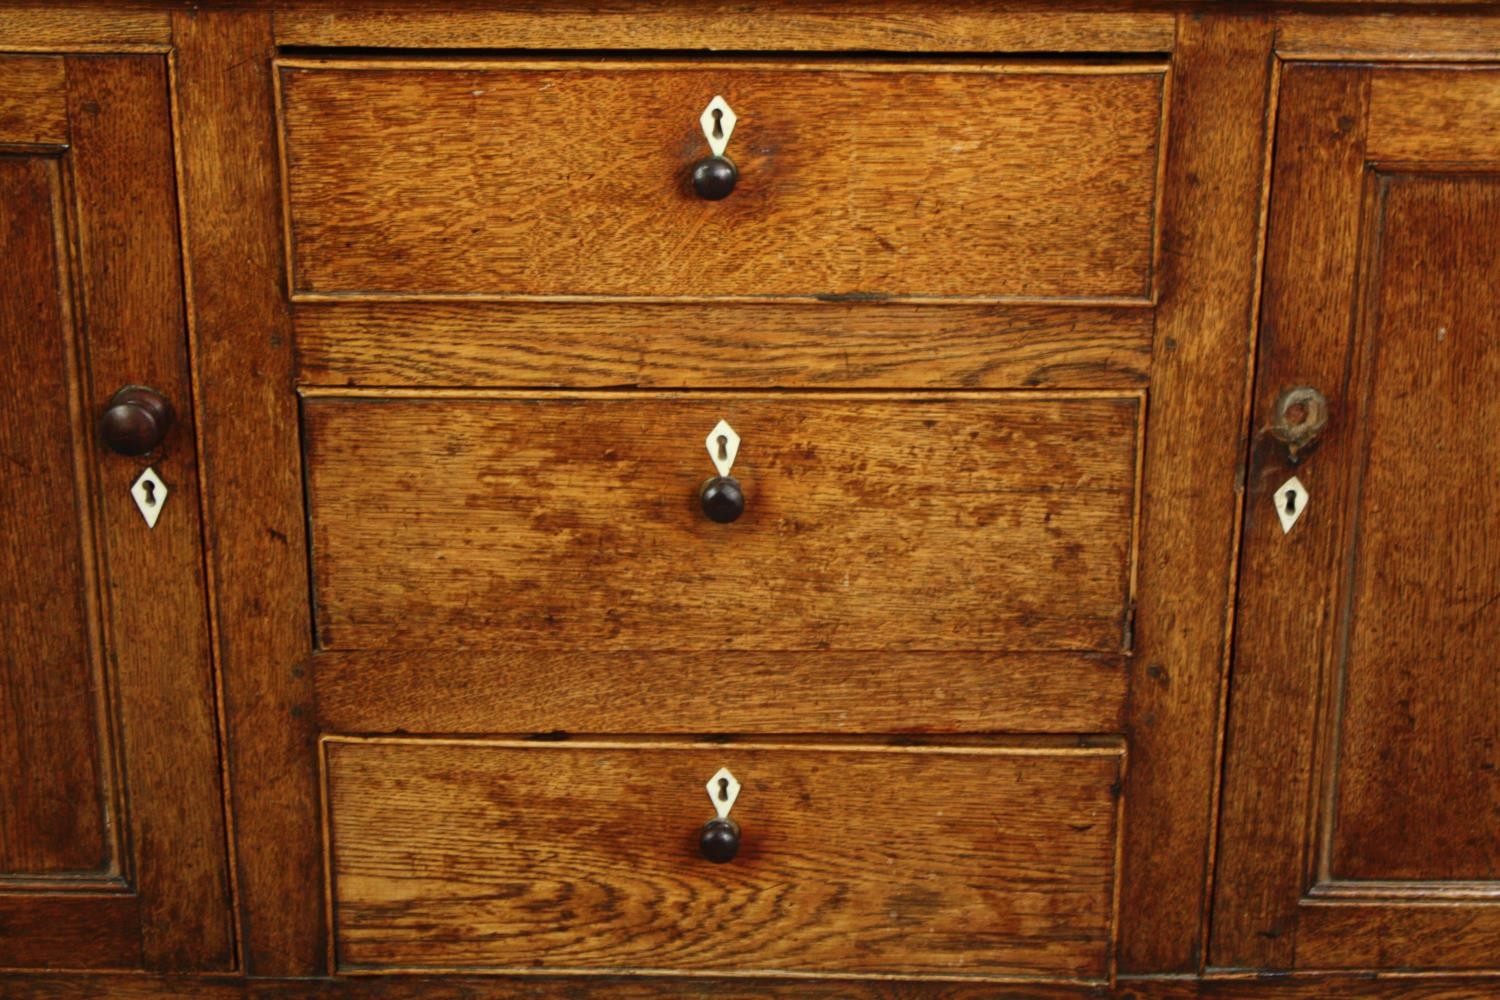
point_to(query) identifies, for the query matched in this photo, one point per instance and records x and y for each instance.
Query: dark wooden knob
(719, 840)
(722, 499)
(714, 177)
(136, 420)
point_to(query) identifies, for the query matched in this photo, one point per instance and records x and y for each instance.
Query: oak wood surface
(1362, 721)
(56, 781)
(83, 26)
(983, 522)
(852, 860)
(1309, 304)
(1434, 115)
(887, 25)
(69, 930)
(531, 987)
(704, 345)
(1211, 229)
(1419, 734)
(572, 178)
(33, 99)
(530, 691)
(1427, 36)
(131, 276)
(251, 472)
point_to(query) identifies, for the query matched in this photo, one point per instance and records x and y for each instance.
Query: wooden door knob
(722, 499)
(719, 840)
(714, 177)
(136, 420)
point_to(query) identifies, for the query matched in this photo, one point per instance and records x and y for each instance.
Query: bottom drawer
(508, 856)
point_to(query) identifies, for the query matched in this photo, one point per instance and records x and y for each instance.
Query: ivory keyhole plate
(1291, 500)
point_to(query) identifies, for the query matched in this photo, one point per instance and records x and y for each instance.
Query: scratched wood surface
(722, 345)
(550, 856)
(1193, 466)
(251, 470)
(573, 179)
(981, 522)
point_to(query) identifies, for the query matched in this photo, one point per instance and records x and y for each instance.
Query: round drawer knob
(722, 499)
(136, 420)
(714, 178)
(719, 840)
(1299, 417)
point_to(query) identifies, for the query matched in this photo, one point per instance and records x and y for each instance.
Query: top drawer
(877, 180)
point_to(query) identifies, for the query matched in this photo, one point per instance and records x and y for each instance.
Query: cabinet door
(112, 846)
(1361, 822)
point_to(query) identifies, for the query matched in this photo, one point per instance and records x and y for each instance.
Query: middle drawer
(506, 561)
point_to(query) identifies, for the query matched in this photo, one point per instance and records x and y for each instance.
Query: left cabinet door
(112, 826)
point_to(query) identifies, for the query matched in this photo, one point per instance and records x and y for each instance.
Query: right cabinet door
(1361, 807)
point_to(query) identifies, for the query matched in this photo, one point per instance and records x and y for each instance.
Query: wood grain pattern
(1380, 935)
(1194, 454)
(795, 25)
(564, 179)
(123, 175)
(1434, 115)
(33, 99)
(738, 345)
(70, 28)
(983, 522)
(556, 856)
(1425, 36)
(529, 691)
(543, 987)
(1309, 304)
(56, 800)
(1348, 986)
(1419, 740)
(76, 930)
(251, 473)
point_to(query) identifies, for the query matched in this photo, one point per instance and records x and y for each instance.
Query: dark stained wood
(527, 691)
(251, 473)
(571, 179)
(33, 99)
(533, 987)
(1434, 115)
(1309, 303)
(77, 930)
(56, 798)
(1419, 746)
(131, 274)
(597, 864)
(1363, 717)
(796, 25)
(1211, 223)
(538, 987)
(701, 345)
(881, 524)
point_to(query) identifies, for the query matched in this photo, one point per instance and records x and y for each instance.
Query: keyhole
(718, 123)
(723, 789)
(1291, 501)
(149, 488)
(723, 455)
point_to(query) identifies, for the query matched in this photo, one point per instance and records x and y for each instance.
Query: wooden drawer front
(961, 861)
(573, 179)
(979, 521)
